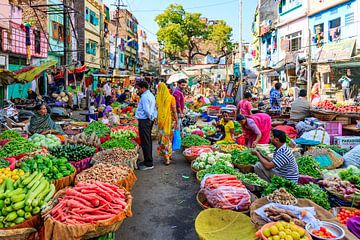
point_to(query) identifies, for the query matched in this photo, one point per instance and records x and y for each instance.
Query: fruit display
(345, 214)
(6, 173)
(206, 160)
(196, 151)
(330, 106)
(283, 197)
(24, 198)
(99, 128)
(309, 166)
(16, 147)
(90, 140)
(124, 143)
(194, 140)
(73, 152)
(283, 230)
(49, 140)
(231, 147)
(10, 134)
(51, 168)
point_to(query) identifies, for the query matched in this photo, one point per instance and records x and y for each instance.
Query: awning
(342, 50)
(71, 71)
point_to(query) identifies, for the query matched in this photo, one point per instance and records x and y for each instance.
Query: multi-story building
(154, 58)
(105, 39)
(89, 29)
(144, 51)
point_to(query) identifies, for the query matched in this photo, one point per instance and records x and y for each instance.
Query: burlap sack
(54, 230)
(24, 231)
(321, 214)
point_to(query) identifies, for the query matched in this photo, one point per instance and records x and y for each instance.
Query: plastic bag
(227, 197)
(353, 225)
(176, 143)
(352, 157)
(317, 135)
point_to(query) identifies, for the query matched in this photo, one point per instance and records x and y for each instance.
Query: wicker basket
(337, 160)
(354, 201)
(197, 176)
(244, 168)
(65, 181)
(193, 169)
(324, 116)
(190, 159)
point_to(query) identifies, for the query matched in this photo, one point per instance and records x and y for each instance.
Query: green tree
(181, 32)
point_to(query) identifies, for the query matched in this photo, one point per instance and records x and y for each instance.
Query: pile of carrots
(227, 192)
(89, 203)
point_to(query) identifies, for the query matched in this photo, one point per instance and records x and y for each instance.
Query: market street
(164, 205)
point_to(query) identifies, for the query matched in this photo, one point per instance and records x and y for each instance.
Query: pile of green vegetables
(49, 140)
(73, 152)
(237, 128)
(99, 128)
(109, 236)
(335, 148)
(310, 191)
(4, 163)
(208, 130)
(10, 134)
(24, 198)
(220, 167)
(252, 179)
(194, 140)
(123, 134)
(16, 147)
(351, 174)
(309, 166)
(244, 157)
(124, 143)
(51, 168)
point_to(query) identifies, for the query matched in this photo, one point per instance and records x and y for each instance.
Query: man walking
(180, 99)
(145, 114)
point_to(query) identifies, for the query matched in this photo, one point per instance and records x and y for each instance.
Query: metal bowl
(331, 227)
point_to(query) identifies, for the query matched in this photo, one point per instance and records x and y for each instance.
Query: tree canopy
(185, 32)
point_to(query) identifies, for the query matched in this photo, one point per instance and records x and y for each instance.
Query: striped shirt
(285, 164)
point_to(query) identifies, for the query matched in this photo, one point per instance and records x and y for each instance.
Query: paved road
(164, 205)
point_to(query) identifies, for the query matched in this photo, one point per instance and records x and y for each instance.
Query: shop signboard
(342, 50)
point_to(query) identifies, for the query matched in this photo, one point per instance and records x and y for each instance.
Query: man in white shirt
(107, 91)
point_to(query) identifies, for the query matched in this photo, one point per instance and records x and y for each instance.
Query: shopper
(244, 107)
(145, 114)
(167, 121)
(256, 128)
(345, 84)
(228, 126)
(275, 97)
(283, 164)
(107, 91)
(300, 108)
(123, 98)
(180, 99)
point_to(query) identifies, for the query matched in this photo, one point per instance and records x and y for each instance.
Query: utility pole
(65, 61)
(118, 5)
(241, 49)
(309, 75)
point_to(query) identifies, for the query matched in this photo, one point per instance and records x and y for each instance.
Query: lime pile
(285, 231)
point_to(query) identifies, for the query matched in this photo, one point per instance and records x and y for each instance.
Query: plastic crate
(334, 129)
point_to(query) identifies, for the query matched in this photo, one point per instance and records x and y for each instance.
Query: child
(92, 110)
(219, 135)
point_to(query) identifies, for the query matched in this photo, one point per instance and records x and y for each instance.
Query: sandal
(167, 162)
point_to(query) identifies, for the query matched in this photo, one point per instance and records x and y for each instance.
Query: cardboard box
(348, 142)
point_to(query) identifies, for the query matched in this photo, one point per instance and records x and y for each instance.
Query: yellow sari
(165, 101)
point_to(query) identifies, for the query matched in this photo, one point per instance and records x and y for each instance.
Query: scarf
(163, 102)
(39, 124)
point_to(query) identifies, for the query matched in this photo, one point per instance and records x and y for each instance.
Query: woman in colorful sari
(41, 122)
(167, 121)
(256, 128)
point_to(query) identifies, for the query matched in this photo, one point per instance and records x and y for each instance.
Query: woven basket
(324, 116)
(337, 160)
(193, 169)
(244, 168)
(197, 176)
(64, 182)
(354, 201)
(190, 158)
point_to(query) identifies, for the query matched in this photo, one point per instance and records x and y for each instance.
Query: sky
(146, 11)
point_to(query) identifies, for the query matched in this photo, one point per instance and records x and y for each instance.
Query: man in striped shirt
(283, 164)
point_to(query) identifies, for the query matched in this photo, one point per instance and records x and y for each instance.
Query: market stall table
(321, 214)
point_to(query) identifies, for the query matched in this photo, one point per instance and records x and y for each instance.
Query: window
(37, 41)
(349, 19)
(319, 35)
(57, 31)
(294, 41)
(87, 14)
(94, 20)
(334, 29)
(288, 5)
(91, 47)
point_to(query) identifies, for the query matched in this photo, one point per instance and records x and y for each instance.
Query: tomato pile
(345, 214)
(323, 232)
(330, 106)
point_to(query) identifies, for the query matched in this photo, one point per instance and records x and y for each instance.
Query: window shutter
(87, 14)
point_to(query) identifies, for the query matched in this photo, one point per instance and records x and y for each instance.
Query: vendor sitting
(41, 121)
(300, 108)
(283, 164)
(199, 103)
(31, 94)
(219, 135)
(228, 126)
(124, 97)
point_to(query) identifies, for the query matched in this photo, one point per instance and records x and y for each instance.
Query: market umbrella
(176, 77)
(34, 72)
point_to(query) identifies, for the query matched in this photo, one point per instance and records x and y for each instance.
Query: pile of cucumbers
(24, 198)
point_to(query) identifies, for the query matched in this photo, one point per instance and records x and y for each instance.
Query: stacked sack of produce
(226, 192)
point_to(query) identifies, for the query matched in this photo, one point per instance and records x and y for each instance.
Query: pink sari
(263, 125)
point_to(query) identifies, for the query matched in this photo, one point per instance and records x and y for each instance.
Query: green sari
(40, 124)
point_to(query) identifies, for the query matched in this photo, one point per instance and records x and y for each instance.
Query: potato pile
(282, 196)
(91, 141)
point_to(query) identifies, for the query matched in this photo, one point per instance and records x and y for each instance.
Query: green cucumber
(9, 185)
(35, 180)
(35, 211)
(36, 192)
(28, 208)
(2, 187)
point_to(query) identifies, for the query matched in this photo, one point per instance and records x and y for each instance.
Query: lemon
(294, 228)
(282, 234)
(266, 232)
(270, 238)
(274, 230)
(295, 235)
(276, 237)
(288, 231)
(288, 237)
(301, 232)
